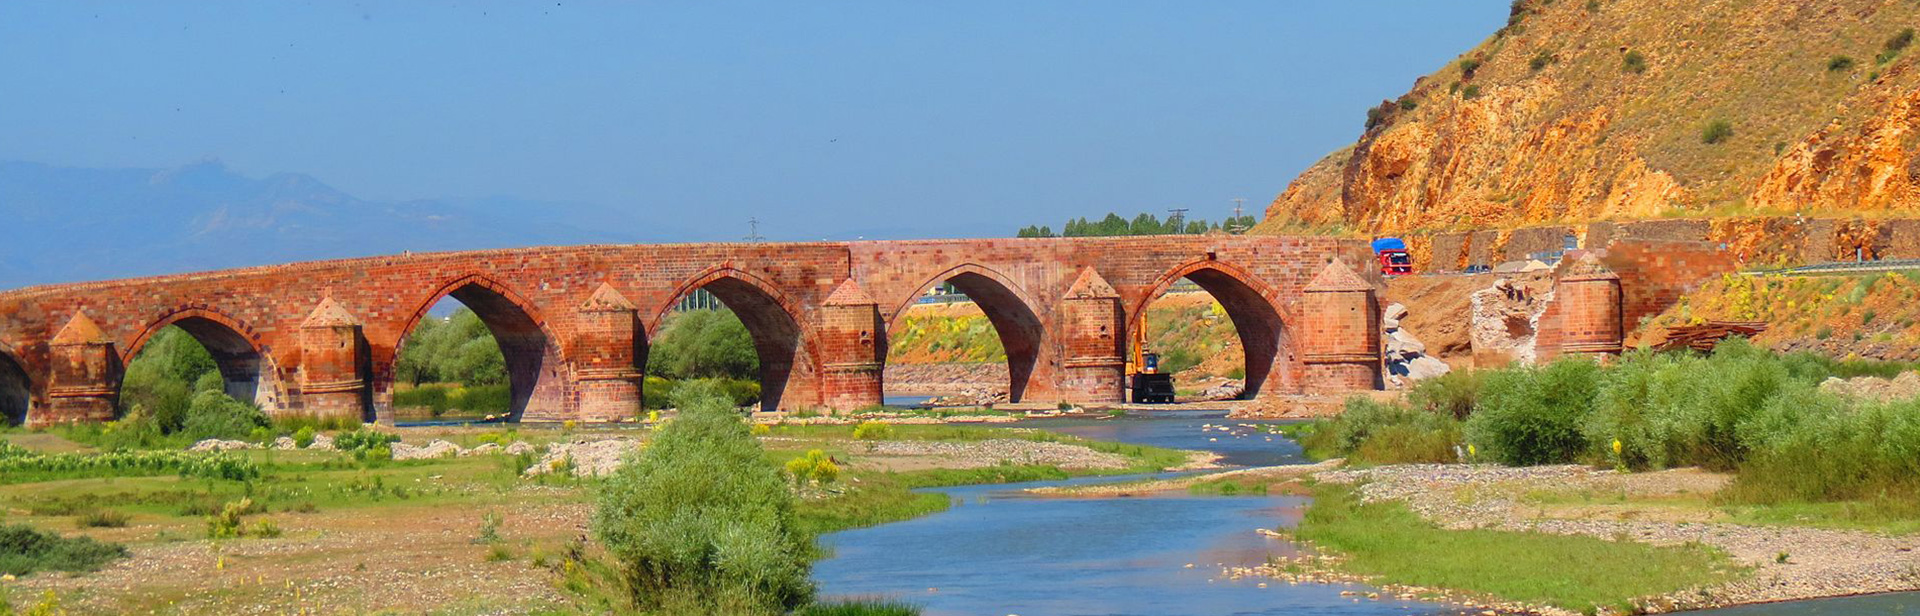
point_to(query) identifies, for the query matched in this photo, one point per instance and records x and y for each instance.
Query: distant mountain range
(69, 224)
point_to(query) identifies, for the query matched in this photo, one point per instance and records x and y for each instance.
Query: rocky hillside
(1583, 110)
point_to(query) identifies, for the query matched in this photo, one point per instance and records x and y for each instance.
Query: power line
(1175, 217)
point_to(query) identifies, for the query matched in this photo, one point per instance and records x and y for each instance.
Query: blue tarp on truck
(1388, 243)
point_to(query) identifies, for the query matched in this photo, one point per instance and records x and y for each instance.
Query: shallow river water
(998, 552)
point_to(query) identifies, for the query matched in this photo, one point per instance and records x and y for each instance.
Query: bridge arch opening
(476, 349)
(1198, 317)
(729, 325)
(191, 351)
(16, 392)
(958, 298)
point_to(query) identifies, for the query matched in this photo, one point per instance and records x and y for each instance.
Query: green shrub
(1894, 45)
(873, 431)
(1453, 394)
(1530, 416)
(1469, 65)
(1634, 62)
(24, 550)
(1540, 60)
(215, 415)
(1716, 131)
(102, 518)
(1839, 63)
(303, 437)
(1377, 433)
(1470, 92)
(226, 523)
(700, 523)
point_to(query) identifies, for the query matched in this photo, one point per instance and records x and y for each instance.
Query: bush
(1540, 60)
(1894, 45)
(700, 523)
(1530, 416)
(1376, 433)
(1468, 66)
(873, 431)
(102, 518)
(226, 523)
(24, 550)
(303, 437)
(1634, 62)
(1717, 131)
(1839, 63)
(814, 466)
(1453, 394)
(215, 415)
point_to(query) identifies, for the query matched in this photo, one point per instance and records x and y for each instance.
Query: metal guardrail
(1840, 268)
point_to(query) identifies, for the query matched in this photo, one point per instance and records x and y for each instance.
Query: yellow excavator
(1148, 384)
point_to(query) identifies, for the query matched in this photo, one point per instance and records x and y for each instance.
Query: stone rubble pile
(995, 451)
(214, 444)
(584, 458)
(1906, 386)
(1406, 357)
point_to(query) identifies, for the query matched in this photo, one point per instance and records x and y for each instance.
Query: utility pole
(1177, 219)
(1233, 226)
(753, 231)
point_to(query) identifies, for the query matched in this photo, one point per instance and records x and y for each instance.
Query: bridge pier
(1093, 370)
(852, 363)
(606, 357)
(1341, 341)
(333, 375)
(85, 379)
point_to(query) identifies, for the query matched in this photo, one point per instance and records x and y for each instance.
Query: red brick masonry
(321, 337)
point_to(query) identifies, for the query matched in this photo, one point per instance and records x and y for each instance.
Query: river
(998, 551)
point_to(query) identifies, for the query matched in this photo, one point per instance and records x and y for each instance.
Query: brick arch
(783, 339)
(1008, 307)
(16, 389)
(1261, 320)
(246, 364)
(535, 357)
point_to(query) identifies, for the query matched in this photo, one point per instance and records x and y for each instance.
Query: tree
(161, 380)
(700, 522)
(704, 344)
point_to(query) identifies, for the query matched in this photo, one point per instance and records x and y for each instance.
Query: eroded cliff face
(1602, 111)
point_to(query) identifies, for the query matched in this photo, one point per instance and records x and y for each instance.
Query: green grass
(24, 550)
(860, 607)
(1391, 543)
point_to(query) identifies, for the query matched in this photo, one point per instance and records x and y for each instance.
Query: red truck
(1392, 253)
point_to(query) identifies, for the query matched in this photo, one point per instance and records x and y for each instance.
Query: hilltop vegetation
(1143, 224)
(1627, 109)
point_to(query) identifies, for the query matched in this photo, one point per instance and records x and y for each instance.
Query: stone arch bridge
(322, 337)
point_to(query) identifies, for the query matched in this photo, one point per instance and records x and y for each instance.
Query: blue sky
(822, 119)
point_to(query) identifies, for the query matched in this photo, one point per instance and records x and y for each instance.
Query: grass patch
(859, 607)
(1391, 543)
(24, 550)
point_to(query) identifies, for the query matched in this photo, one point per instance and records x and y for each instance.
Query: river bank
(1773, 560)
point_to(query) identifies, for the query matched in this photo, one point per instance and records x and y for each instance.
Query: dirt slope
(1632, 109)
